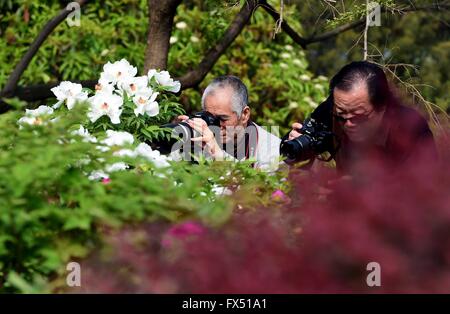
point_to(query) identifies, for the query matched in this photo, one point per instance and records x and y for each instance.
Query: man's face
(355, 113)
(218, 103)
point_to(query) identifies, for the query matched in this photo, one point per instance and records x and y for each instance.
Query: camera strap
(251, 141)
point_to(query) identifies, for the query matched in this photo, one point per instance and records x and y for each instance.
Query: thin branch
(432, 7)
(14, 78)
(366, 31)
(284, 25)
(280, 20)
(194, 77)
(333, 33)
(304, 42)
(356, 43)
(412, 89)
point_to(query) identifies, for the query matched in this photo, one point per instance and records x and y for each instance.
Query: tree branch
(338, 30)
(284, 25)
(14, 78)
(304, 42)
(431, 7)
(39, 92)
(43, 91)
(160, 21)
(194, 77)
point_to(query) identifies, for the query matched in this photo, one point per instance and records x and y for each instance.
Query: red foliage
(321, 243)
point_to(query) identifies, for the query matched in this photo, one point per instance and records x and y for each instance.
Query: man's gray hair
(240, 94)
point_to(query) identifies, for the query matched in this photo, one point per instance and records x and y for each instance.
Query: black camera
(182, 133)
(315, 139)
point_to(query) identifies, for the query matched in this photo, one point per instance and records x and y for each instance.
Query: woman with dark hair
(369, 122)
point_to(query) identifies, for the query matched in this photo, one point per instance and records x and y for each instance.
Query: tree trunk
(161, 14)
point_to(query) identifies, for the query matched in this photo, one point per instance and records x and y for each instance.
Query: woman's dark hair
(380, 94)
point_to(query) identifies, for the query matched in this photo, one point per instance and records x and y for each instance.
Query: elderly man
(369, 123)
(237, 138)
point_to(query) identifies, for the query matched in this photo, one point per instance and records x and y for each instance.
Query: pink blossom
(182, 231)
(185, 229)
(279, 195)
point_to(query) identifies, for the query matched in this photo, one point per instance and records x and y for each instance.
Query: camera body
(315, 139)
(209, 118)
(182, 133)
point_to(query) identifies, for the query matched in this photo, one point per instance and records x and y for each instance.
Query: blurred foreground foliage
(51, 213)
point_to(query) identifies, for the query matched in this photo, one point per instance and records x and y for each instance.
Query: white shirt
(267, 150)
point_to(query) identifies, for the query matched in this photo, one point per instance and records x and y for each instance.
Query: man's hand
(206, 137)
(179, 119)
(295, 131)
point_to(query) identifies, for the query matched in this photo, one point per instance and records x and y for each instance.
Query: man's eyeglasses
(356, 119)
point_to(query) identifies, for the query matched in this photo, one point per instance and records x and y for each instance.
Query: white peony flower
(163, 78)
(145, 103)
(97, 175)
(151, 73)
(305, 77)
(68, 92)
(181, 25)
(85, 135)
(83, 162)
(221, 190)
(125, 153)
(105, 104)
(145, 151)
(298, 62)
(118, 138)
(103, 174)
(118, 166)
(30, 120)
(319, 86)
(173, 40)
(104, 87)
(33, 117)
(194, 39)
(293, 105)
(40, 111)
(289, 47)
(102, 148)
(118, 72)
(134, 85)
(310, 102)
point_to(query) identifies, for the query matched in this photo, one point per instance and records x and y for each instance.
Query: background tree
(194, 38)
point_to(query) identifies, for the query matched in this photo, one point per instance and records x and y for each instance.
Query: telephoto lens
(301, 147)
(182, 133)
(315, 139)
